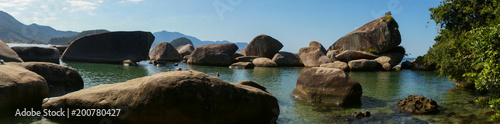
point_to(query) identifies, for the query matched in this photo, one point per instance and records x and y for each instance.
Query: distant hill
(65, 40)
(166, 36)
(11, 30)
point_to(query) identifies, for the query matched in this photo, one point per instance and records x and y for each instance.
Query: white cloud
(78, 5)
(135, 1)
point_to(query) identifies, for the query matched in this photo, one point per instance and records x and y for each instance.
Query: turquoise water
(381, 91)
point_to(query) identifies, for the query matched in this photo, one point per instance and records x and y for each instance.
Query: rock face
(213, 54)
(38, 54)
(264, 62)
(253, 84)
(242, 65)
(317, 44)
(337, 64)
(327, 86)
(185, 49)
(176, 43)
(174, 97)
(262, 46)
(20, 88)
(331, 54)
(287, 59)
(164, 52)
(111, 47)
(60, 48)
(380, 35)
(393, 57)
(60, 79)
(418, 105)
(364, 65)
(349, 55)
(7, 54)
(312, 56)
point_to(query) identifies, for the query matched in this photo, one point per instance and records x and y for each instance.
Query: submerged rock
(253, 84)
(20, 88)
(173, 97)
(418, 105)
(111, 47)
(242, 65)
(38, 54)
(262, 46)
(327, 86)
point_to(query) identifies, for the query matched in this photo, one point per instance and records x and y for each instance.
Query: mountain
(11, 30)
(166, 36)
(65, 40)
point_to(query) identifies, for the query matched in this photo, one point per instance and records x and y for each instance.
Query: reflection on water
(381, 91)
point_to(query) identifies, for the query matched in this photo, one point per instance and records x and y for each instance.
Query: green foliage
(390, 19)
(371, 51)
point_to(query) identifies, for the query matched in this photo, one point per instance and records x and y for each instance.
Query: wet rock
(418, 105)
(361, 114)
(38, 54)
(129, 63)
(327, 86)
(264, 62)
(173, 97)
(287, 59)
(242, 65)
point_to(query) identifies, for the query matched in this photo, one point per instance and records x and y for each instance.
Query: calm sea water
(381, 91)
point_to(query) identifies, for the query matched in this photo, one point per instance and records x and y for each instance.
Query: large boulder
(245, 58)
(407, 64)
(111, 47)
(60, 79)
(262, 46)
(349, 55)
(331, 55)
(392, 57)
(313, 56)
(379, 35)
(38, 54)
(7, 54)
(242, 65)
(287, 59)
(185, 49)
(364, 65)
(180, 41)
(317, 44)
(418, 105)
(180, 97)
(164, 52)
(213, 54)
(253, 84)
(337, 64)
(60, 48)
(20, 88)
(327, 86)
(264, 62)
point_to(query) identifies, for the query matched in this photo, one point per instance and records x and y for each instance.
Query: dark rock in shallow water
(264, 62)
(111, 47)
(164, 52)
(38, 54)
(392, 57)
(407, 64)
(245, 58)
(7, 54)
(327, 86)
(60, 79)
(364, 65)
(20, 88)
(242, 65)
(418, 105)
(262, 46)
(287, 59)
(213, 54)
(380, 35)
(173, 97)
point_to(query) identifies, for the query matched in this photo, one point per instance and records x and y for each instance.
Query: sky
(293, 22)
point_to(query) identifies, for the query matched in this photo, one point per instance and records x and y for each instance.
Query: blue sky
(293, 22)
